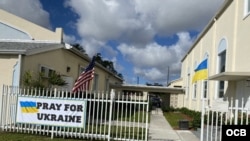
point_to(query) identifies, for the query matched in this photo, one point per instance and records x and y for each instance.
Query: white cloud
(69, 39)
(31, 10)
(137, 21)
(171, 16)
(133, 24)
(111, 20)
(152, 62)
(93, 46)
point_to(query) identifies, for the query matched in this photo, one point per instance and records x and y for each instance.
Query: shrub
(196, 122)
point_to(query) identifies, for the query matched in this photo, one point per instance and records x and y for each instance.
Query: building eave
(230, 76)
(159, 89)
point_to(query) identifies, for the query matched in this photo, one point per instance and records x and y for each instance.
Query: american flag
(85, 77)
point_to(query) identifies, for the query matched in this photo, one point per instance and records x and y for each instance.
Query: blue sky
(142, 37)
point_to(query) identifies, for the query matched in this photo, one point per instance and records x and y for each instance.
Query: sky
(145, 39)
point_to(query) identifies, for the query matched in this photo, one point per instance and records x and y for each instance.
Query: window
(205, 82)
(81, 69)
(247, 8)
(95, 83)
(47, 72)
(195, 91)
(188, 81)
(222, 61)
(106, 84)
(221, 65)
(205, 89)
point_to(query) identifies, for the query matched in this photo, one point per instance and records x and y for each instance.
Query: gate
(108, 116)
(223, 112)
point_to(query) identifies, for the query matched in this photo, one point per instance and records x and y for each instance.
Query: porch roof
(160, 89)
(27, 48)
(230, 76)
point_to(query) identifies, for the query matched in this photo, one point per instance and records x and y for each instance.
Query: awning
(149, 88)
(230, 76)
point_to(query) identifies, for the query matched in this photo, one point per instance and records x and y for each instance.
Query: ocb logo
(236, 132)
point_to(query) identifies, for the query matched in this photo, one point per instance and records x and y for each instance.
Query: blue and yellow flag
(201, 71)
(28, 107)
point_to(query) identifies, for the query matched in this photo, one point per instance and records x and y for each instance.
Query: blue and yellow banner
(48, 111)
(28, 107)
(201, 71)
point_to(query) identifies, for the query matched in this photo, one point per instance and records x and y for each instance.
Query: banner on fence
(45, 111)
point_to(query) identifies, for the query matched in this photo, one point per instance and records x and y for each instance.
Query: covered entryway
(168, 97)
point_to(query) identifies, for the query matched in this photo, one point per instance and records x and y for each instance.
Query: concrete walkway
(160, 129)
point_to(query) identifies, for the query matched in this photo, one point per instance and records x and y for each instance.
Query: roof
(148, 88)
(175, 81)
(27, 48)
(209, 25)
(230, 76)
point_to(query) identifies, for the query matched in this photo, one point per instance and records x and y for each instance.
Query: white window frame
(222, 48)
(95, 83)
(204, 89)
(47, 71)
(195, 90)
(106, 84)
(187, 84)
(246, 8)
(81, 69)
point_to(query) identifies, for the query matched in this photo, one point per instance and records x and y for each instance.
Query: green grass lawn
(138, 116)
(13, 136)
(9, 136)
(130, 132)
(174, 117)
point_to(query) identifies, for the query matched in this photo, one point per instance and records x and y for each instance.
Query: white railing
(226, 112)
(109, 116)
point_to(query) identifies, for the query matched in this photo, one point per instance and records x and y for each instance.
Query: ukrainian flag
(28, 107)
(201, 71)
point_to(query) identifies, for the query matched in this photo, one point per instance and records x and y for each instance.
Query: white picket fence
(109, 116)
(225, 112)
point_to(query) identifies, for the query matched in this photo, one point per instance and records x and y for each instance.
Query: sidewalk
(160, 130)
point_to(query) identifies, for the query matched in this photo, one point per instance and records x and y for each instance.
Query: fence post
(112, 97)
(146, 134)
(202, 119)
(236, 111)
(52, 132)
(1, 103)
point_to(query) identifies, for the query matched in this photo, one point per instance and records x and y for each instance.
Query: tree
(107, 64)
(120, 75)
(30, 80)
(78, 47)
(56, 79)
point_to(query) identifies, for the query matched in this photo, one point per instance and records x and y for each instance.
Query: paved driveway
(160, 129)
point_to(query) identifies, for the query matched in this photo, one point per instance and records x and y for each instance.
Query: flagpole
(92, 81)
(208, 96)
